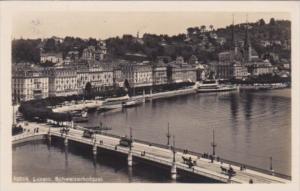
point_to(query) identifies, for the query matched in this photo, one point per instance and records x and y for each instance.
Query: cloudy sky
(109, 24)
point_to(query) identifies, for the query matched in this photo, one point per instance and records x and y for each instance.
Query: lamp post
(271, 166)
(173, 167)
(213, 144)
(168, 135)
(131, 140)
(129, 158)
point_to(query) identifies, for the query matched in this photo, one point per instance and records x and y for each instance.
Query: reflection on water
(249, 128)
(34, 160)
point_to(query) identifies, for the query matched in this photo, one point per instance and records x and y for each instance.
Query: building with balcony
(178, 72)
(28, 84)
(55, 58)
(240, 71)
(101, 76)
(62, 81)
(92, 53)
(260, 68)
(137, 75)
(160, 74)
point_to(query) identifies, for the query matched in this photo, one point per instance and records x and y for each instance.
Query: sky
(102, 25)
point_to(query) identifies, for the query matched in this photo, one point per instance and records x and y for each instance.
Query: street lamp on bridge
(213, 144)
(173, 149)
(168, 135)
(130, 136)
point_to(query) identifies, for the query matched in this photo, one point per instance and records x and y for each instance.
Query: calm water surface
(249, 128)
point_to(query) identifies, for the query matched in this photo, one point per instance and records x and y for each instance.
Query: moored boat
(214, 86)
(114, 103)
(260, 86)
(80, 117)
(133, 102)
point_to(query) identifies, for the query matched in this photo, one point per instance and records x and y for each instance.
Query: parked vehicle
(125, 142)
(87, 133)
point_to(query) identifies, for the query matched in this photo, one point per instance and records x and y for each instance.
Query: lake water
(250, 127)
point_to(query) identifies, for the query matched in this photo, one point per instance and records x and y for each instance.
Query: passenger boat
(133, 102)
(260, 86)
(114, 103)
(214, 86)
(99, 129)
(80, 117)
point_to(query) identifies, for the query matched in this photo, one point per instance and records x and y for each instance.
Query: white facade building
(62, 81)
(28, 84)
(55, 58)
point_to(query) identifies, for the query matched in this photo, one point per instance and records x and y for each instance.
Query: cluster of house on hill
(91, 53)
(242, 62)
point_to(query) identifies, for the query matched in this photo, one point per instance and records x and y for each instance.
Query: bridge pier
(173, 171)
(49, 137)
(129, 158)
(94, 149)
(66, 140)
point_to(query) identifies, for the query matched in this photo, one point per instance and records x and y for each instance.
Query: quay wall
(169, 94)
(28, 138)
(96, 104)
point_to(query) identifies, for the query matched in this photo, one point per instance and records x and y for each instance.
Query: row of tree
(31, 112)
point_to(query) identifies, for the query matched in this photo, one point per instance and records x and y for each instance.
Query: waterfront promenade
(90, 104)
(151, 153)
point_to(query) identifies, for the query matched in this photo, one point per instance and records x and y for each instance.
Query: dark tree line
(152, 45)
(26, 50)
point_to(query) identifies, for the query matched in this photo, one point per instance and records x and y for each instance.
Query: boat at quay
(113, 103)
(132, 102)
(80, 117)
(214, 86)
(258, 86)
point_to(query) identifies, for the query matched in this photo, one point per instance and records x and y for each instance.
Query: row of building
(40, 82)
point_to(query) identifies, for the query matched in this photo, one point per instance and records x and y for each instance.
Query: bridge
(163, 155)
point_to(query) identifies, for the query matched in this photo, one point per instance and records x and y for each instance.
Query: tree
(47, 64)
(92, 42)
(88, 89)
(272, 21)
(190, 31)
(203, 28)
(211, 27)
(26, 50)
(50, 45)
(261, 22)
(126, 84)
